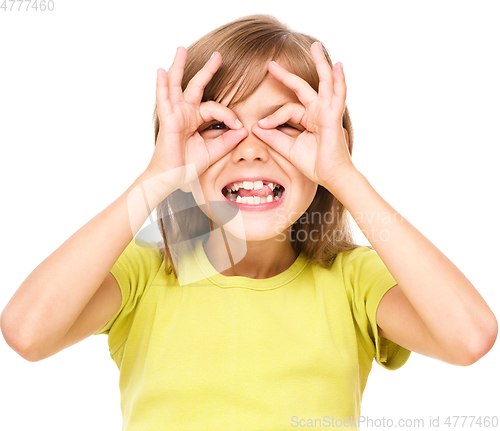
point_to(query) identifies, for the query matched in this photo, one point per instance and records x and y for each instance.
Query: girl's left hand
(320, 152)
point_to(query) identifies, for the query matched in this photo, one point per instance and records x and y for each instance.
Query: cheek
(202, 190)
(198, 197)
(196, 188)
(309, 192)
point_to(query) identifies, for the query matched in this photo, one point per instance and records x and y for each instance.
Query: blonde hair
(247, 44)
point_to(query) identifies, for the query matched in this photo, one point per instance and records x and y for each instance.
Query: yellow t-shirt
(236, 353)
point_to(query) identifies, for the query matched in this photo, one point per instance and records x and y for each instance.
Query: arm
(53, 296)
(73, 284)
(434, 310)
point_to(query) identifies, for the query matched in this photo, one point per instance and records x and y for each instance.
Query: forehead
(269, 93)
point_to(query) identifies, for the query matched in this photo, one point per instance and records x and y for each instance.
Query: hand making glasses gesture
(181, 113)
(320, 152)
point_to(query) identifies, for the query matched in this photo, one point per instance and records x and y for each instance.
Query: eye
(288, 125)
(216, 126)
(291, 129)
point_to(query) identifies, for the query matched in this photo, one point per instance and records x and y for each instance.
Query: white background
(76, 101)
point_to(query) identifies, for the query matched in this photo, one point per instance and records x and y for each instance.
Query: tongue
(264, 191)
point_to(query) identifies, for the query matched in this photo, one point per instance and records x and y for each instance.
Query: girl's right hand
(181, 154)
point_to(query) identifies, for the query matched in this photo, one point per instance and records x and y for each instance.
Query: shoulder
(360, 259)
(363, 272)
(345, 261)
(352, 259)
(140, 252)
(138, 264)
(360, 252)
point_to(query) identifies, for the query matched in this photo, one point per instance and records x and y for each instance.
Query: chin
(255, 232)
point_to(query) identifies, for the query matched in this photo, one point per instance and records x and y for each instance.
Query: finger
(279, 141)
(215, 111)
(301, 88)
(161, 90)
(326, 80)
(339, 86)
(175, 73)
(161, 85)
(220, 146)
(194, 90)
(293, 112)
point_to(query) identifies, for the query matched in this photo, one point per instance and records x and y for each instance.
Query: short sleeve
(366, 275)
(134, 271)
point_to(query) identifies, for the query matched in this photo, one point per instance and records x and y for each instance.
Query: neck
(262, 259)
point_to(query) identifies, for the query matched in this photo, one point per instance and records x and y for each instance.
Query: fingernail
(212, 56)
(238, 123)
(276, 64)
(263, 121)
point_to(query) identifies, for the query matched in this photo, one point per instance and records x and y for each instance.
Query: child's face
(253, 160)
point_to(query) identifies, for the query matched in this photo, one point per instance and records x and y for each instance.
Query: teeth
(251, 185)
(255, 200)
(258, 185)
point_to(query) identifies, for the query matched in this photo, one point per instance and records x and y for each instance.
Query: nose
(250, 149)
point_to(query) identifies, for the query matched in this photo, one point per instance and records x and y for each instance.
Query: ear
(346, 134)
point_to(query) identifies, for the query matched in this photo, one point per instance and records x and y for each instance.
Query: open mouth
(253, 192)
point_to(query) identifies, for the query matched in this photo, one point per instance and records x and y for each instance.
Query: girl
(256, 310)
